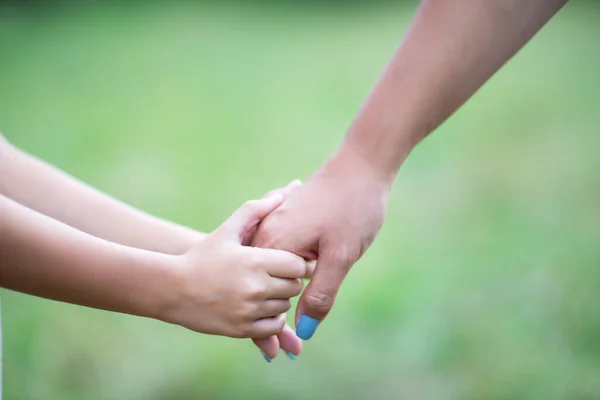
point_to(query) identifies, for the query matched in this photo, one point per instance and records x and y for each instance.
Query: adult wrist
(352, 156)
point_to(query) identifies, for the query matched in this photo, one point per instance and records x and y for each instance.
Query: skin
(43, 188)
(451, 48)
(40, 187)
(217, 287)
(443, 59)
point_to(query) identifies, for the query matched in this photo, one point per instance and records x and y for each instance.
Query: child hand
(225, 288)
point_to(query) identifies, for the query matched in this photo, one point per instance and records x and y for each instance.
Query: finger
(290, 342)
(268, 346)
(248, 216)
(281, 264)
(286, 190)
(265, 327)
(280, 288)
(286, 340)
(319, 296)
(310, 269)
(277, 233)
(272, 308)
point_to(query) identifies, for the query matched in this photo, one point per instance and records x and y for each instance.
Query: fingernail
(266, 356)
(306, 327)
(291, 355)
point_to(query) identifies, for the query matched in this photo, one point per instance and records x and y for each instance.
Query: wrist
(157, 293)
(173, 239)
(356, 162)
(382, 136)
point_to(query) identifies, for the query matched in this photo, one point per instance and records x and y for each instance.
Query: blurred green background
(484, 282)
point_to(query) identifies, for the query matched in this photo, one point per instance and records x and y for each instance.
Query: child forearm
(46, 258)
(41, 187)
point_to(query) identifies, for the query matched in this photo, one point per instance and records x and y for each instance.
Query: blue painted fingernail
(266, 357)
(291, 355)
(306, 327)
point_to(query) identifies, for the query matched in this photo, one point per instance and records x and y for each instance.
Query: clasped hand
(333, 219)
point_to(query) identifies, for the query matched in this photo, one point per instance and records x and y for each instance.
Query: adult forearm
(451, 48)
(41, 187)
(46, 258)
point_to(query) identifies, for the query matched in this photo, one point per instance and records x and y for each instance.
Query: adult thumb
(318, 297)
(248, 216)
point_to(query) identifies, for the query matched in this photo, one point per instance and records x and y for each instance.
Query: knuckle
(297, 288)
(295, 266)
(299, 267)
(245, 311)
(319, 302)
(254, 261)
(244, 331)
(285, 306)
(255, 290)
(344, 257)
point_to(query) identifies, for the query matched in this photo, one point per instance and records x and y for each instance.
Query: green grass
(483, 283)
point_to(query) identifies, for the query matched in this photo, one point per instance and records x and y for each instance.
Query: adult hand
(333, 218)
(287, 338)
